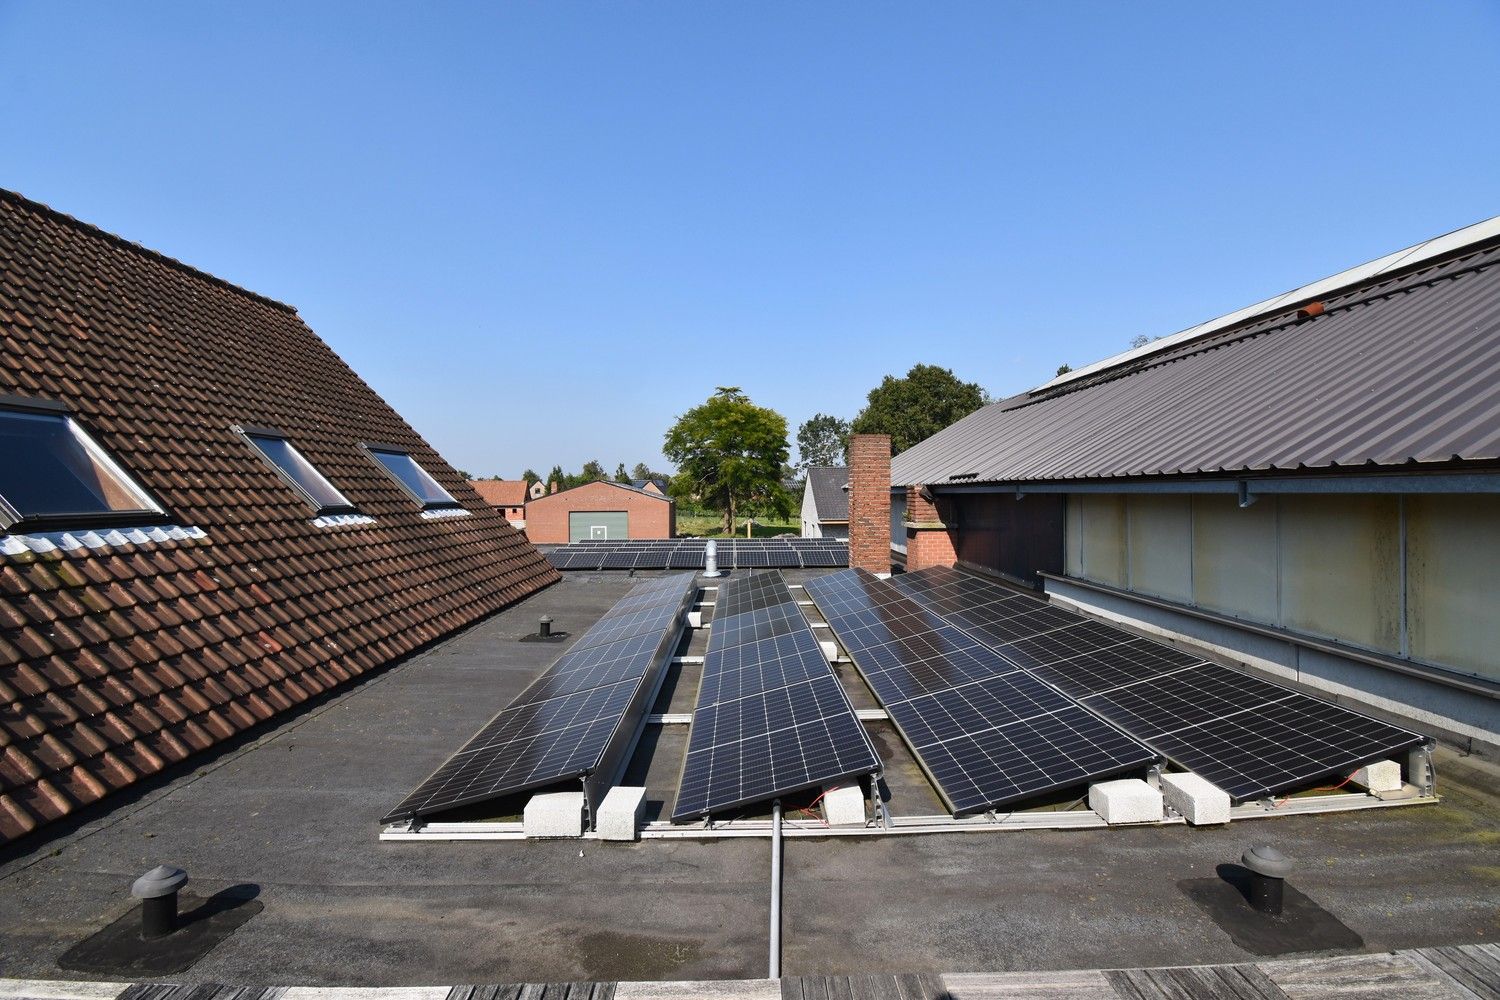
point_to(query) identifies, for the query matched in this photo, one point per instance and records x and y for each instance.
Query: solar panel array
(987, 732)
(771, 717)
(577, 715)
(1251, 737)
(688, 553)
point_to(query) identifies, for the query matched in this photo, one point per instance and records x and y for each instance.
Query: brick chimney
(870, 502)
(552, 486)
(929, 535)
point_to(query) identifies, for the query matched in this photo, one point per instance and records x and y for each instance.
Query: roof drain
(775, 957)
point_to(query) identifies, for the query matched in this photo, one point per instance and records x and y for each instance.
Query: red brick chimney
(552, 486)
(870, 502)
(929, 534)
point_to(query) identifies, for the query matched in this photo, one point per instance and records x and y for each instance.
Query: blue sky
(543, 230)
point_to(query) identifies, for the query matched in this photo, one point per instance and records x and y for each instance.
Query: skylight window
(414, 479)
(298, 471)
(52, 474)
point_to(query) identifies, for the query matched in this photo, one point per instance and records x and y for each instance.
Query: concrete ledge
(1198, 800)
(621, 813)
(559, 814)
(1128, 800)
(844, 806)
(702, 989)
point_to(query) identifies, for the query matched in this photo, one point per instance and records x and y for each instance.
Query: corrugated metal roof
(830, 492)
(1400, 369)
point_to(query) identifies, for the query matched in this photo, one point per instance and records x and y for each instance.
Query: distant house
(506, 495)
(600, 510)
(825, 503)
(657, 486)
(206, 518)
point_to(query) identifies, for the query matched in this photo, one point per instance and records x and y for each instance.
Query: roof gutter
(1246, 487)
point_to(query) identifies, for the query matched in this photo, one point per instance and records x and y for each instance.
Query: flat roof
(293, 811)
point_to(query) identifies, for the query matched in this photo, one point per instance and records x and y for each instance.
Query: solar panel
(733, 553)
(1251, 737)
(771, 717)
(578, 720)
(986, 731)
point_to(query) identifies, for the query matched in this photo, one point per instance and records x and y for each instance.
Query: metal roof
(830, 488)
(1402, 368)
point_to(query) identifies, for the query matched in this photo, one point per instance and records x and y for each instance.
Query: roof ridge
(88, 227)
(1263, 325)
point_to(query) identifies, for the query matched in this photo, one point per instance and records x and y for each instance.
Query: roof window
(411, 477)
(53, 474)
(298, 472)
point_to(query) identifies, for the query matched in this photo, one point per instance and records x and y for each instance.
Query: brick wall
(930, 531)
(650, 516)
(870, 502)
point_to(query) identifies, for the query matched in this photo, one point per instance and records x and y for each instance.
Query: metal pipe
(775, 960)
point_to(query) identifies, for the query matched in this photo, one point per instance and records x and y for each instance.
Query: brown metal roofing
(1397, 372)
(830, 486)
(501, 492)
(120, 661)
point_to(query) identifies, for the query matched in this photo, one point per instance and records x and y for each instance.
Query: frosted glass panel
(1452, 580)
(1161, 557)
(1234, 556)
(1103, 537)
(1341, 568)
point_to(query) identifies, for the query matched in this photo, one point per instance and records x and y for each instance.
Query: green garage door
(583, 525)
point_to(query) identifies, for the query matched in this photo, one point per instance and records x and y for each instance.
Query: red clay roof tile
(116, 662)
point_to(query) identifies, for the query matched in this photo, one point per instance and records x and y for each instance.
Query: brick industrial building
(600, 510)
(206, 518)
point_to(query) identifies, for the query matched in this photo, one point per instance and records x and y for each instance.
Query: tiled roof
(500, 492)
(125, 654)
(1400, 371)
(830, 487)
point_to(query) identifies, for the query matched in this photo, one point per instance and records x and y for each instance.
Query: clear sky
(543, 230)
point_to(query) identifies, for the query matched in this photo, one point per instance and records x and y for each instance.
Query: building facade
(600, 510)
(825, 502)
(1309, 486)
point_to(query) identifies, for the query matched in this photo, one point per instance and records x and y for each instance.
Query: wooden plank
(1473, 970)
(838, 988)
(1086, 985)
(1357, 977)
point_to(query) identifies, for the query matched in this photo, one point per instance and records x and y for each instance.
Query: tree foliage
(822, 440)
(914, 408)
(730, 453)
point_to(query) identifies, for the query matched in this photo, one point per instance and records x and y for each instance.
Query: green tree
(729, 453)
(531, 477)
(621, 476)
(592, 473)
(1064, 368)
(914, 408)
(822, 440)
(557, 476)
(644, 471)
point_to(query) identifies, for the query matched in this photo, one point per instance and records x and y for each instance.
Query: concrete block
(1200, 801)
(844, 806)
(559, 814)
(1381, 776)
(1129, 800)
(830, 649)
(621, 813)
(695, 619)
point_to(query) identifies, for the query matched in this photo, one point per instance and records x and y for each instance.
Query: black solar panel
(1249, 736)
(578, 715)
(771, 718)
(688, 553)
(986, 731)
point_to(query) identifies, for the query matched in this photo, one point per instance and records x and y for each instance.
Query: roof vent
(1309, 311)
